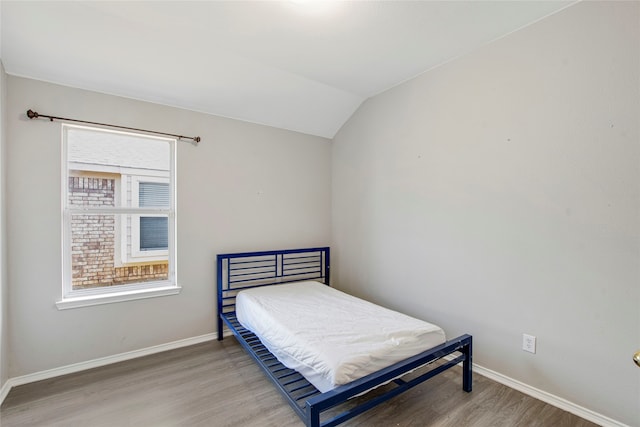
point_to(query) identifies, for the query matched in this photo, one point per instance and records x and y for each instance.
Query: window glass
(154, 230)
(154, 233)
(153, 194)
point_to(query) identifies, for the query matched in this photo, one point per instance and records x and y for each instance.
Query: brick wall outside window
(93, 239)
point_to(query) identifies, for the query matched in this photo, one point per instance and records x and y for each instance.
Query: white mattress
(328, 336)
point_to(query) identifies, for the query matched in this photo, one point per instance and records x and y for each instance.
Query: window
(147, 235)
(119, 216)
(153, 229)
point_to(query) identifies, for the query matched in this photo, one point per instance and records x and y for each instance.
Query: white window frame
(108, 294)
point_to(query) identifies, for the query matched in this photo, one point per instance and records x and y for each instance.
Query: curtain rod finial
(197, 139)
(32, 114)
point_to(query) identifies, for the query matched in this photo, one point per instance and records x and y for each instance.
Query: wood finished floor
(217, 384)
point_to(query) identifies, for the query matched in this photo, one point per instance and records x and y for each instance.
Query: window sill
(89, 300)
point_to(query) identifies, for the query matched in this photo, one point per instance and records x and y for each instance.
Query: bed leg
(313, 416)
(219, 328)
(467, 364)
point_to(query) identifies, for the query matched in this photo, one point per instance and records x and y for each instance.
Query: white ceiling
(303, 66)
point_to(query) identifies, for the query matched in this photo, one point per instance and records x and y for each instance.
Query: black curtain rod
(34, 115)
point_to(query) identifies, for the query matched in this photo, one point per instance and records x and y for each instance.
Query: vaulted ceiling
(299, 65)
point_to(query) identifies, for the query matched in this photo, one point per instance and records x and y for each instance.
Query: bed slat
(272, 370)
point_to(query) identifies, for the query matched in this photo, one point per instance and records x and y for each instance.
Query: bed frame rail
(461, 345)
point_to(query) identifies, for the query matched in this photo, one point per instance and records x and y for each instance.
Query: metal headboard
(244, 270)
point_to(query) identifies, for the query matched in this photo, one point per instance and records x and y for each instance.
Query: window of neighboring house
(146, 238)
(153, 233)
(119, 216)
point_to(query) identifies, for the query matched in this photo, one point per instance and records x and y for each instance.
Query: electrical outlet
(529, 343)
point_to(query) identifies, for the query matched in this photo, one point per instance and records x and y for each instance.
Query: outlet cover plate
(529, 343)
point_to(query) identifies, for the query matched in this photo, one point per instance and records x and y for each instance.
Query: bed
(255, 286)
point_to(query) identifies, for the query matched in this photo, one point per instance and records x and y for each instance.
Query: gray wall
(4, 284)
(245, 187)
(499, 194)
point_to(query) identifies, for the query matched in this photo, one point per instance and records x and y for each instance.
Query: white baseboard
(95, 363)
(549, 398)
(6, 388)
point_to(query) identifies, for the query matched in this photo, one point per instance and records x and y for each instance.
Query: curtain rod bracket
(35, 115)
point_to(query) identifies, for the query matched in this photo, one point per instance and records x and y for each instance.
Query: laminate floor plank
(218, 384)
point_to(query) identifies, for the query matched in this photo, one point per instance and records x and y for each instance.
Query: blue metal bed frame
(238, 271)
